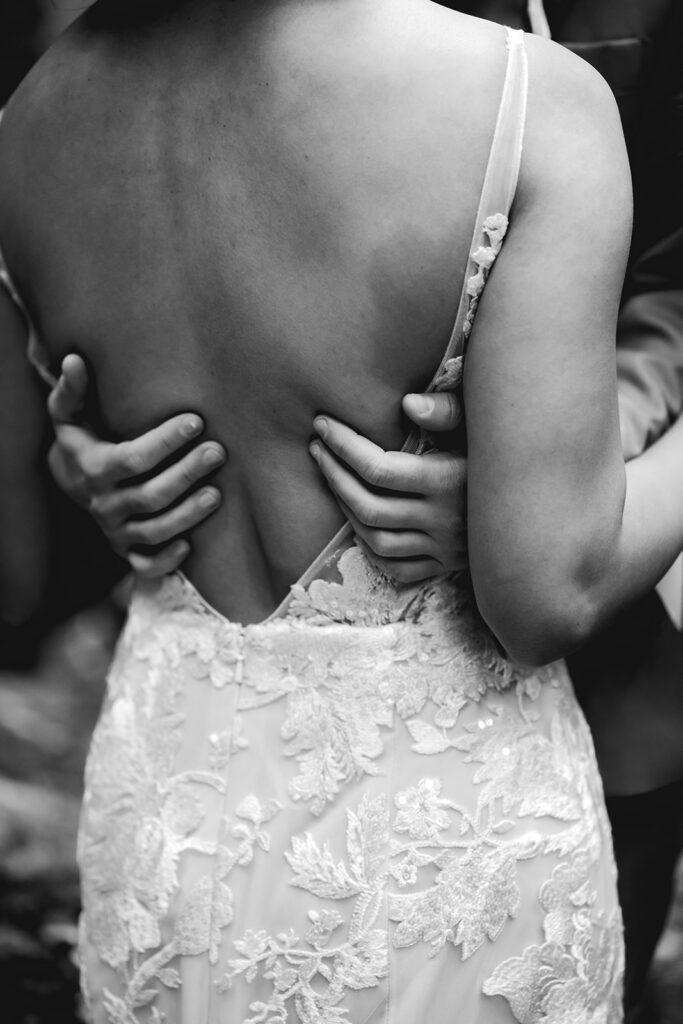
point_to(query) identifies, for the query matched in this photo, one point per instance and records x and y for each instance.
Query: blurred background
(50, 692)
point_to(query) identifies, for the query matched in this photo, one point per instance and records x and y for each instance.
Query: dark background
(48, 706)
(47, 710)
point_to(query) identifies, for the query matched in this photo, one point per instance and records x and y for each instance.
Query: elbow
(535, 633)
(545, 599)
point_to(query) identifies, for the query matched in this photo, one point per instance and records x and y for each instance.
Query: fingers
(163, 528)
(57, 466)
(439, 411)
(104, 465)
(153, 566)
(392, 544)
(407, 571)
(65, 471)
(436, 555)
(112, 507)
(394, 471)
(143, 454)
(444, 474)
(67, 399)
(369, 509)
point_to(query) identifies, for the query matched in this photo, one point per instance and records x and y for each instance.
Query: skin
(103, 477)
(260, 553)
(412, 537)
(322, 311)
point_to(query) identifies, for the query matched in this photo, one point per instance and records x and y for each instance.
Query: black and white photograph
(341, 512)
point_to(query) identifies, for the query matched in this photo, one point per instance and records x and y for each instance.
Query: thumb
(439, 411)
(67, 399)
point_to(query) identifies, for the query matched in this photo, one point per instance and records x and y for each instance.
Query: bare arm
(558, 536)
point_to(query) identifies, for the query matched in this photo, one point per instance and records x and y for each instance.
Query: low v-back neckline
(490, 226)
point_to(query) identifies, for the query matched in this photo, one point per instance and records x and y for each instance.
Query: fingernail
(422, 403)
(191, 426)
(209, 498)
(314, 449)
(181, 549)
(213, 456)
(320, 425)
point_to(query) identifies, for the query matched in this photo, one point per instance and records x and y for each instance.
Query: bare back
(257, 219)
(258, 214)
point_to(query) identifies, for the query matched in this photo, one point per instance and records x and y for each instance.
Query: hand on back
(407, 510)
(143, 493)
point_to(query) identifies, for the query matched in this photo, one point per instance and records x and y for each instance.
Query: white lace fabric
(359, 811)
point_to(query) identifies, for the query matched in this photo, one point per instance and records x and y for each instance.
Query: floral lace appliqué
(570, 978)
(495, 228)
(216, 739)
(338, 953)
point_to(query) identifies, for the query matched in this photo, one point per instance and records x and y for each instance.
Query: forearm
(620, 554)
(557, 551)
(649, 367)
(651, 530)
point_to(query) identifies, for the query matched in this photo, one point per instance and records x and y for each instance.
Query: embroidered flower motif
(323, 924)
(473, 898)
(573, 976)
(405, 872)
(495, 228)
(313, 973)
(365, 595)
(535, 776)
(450, 375)
(175, 834)
(421, 810)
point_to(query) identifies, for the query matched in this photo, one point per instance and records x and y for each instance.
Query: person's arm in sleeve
(650, 330)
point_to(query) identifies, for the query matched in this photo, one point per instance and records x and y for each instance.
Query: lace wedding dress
(356, 811)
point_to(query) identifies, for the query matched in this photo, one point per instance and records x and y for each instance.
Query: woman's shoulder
(67, 71)
(52, 117)
(573, 128)
(561, 77)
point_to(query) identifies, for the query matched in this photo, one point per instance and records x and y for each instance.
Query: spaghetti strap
(490, 226)
(492, 220)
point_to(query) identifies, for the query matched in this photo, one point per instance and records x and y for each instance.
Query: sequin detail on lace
(229, 760)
